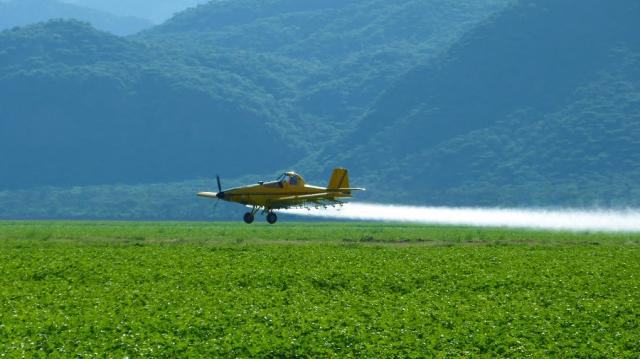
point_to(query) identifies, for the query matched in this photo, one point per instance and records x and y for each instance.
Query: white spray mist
(552, 219)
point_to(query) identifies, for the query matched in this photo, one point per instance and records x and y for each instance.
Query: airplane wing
(301, 200)
(305, 196)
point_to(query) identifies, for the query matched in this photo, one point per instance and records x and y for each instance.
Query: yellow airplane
(288, 191)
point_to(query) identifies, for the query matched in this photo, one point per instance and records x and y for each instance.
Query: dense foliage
(191, 289)
(84, 107)
(533, 108)
(491, 102)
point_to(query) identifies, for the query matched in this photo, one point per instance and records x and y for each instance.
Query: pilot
(293, 180)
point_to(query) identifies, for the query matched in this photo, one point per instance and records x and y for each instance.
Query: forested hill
(26, 12)
(326, 61)
(81, 106)
(539, 106)
(469, 102)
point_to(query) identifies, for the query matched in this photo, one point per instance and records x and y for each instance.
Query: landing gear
(272, 218)
(248, 218)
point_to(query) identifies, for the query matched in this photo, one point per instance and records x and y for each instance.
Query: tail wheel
(272, 218)
(248, 218)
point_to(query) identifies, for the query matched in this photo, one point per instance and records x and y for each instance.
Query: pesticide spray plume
(545, 219)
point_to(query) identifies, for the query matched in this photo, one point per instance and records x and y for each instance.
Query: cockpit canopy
(291, 178)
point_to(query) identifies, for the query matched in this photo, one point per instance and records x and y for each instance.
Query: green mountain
(83, 107)
(175, 103)
(324, 61)
(454, 103)
(25, 12)
(533, 108)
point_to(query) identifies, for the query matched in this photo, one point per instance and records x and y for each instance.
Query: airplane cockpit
(291, 178)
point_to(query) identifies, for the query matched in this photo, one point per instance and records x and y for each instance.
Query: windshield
(290, 179)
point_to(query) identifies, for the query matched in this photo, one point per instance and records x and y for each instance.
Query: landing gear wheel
(248, 218)
(272, 218)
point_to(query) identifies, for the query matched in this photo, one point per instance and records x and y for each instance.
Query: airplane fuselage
(269, 193)
(288, 191)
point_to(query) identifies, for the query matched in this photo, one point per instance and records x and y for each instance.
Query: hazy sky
(155, 10)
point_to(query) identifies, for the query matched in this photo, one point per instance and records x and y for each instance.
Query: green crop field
(118, 289)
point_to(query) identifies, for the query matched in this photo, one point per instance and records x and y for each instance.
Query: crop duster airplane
(288, 191)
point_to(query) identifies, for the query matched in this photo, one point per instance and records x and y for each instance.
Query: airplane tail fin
(339, 179)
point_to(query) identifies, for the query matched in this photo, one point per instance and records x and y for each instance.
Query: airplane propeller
(220, 194)
(215, 210)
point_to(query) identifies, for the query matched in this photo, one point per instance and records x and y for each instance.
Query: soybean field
(180, 289)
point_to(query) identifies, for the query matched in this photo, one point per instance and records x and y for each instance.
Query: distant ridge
(26, 12)
(155, 11)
